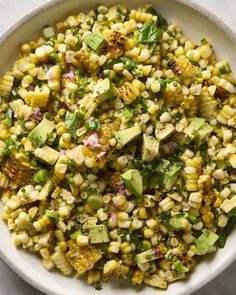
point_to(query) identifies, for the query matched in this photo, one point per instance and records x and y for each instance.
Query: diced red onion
(157, 252)
(121, 189)
(49, 75)
(92, 140)
(70, 75)
(37, 116)
(88, 264)
(171, 145)
(114, 217)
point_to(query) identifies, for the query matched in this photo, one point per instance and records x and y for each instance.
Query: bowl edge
(27, 17)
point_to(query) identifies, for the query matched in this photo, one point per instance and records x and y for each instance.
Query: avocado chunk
(104, 90)
(203, 134)
(163, 130)
(40, 133)
(98, 234)
(95, 201)
(171, 174)
(180, 268)
(206, 240)
(95, 41)
(114, 13)
(150, 148)
(178, 223)
(192, 130)
(125, 136)
(133, 182)
(221, 164)
(47, 154)
(147, 256)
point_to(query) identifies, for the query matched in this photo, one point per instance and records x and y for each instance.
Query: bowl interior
(196, 26)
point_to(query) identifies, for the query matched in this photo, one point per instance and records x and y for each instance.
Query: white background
(10, 11)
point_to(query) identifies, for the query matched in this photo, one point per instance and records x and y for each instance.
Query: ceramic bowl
(196, 24)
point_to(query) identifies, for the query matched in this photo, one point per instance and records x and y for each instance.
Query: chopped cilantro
(72, 121)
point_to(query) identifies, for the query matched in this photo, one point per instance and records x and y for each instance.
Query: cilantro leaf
(72, 121)
(149, 33)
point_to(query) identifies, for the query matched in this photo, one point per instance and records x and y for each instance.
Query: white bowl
(196, 23)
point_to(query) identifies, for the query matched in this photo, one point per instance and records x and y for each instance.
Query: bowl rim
(231, 34)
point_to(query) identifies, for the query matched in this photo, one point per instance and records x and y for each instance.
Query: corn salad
(117, 148)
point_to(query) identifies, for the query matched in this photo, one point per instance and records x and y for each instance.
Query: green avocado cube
(114, 13)
(125, 136)
(170, 176)
(98, 234)
(206, 240)
(203, 134)
(133, 182)
(104, 90)
(95, 41)
(163, 130)
(178, 223)
(47, 154)
(95, 201)
(40, 133)
(150, 148)
(192, 130)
